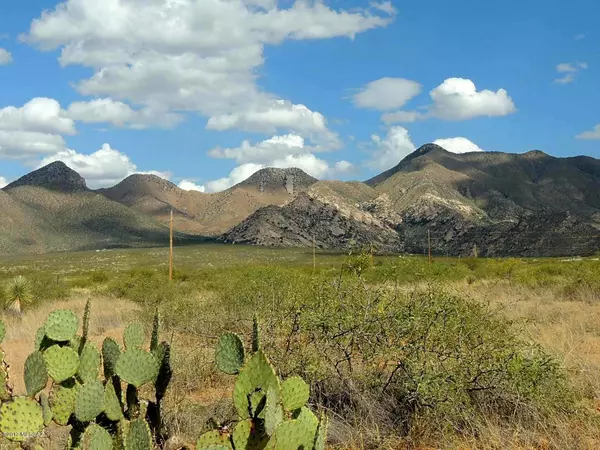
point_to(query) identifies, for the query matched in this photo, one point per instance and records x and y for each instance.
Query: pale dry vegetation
(551, 303)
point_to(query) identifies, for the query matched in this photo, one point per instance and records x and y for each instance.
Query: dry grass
(570, 330)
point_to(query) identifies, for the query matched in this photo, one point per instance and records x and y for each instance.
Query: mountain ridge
(506, 204)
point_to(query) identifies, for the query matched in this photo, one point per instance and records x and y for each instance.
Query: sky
(207, 92)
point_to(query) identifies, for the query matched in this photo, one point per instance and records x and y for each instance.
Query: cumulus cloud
(188, 55)
(283, 151)
(458, 99)
(390, 150)
(386, 94)
(5, 57)
(43, 115)
(3, 182)
(569, 71)
(107, 110)
(191, 186)
(103, 168)
(592, 134)
(458, 145)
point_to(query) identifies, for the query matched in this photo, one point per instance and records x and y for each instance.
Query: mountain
(306, 219)
(529, 204)
(51, 210)
(55, 176)
(506, 204)
(209, 214)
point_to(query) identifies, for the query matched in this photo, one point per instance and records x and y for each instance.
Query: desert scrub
(397, 358)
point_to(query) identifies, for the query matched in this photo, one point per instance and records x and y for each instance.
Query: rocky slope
(306, 219)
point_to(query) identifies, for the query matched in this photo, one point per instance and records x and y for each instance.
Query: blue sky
(205, 92)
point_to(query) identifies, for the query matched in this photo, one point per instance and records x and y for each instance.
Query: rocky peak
(293, 180)
(56, 176)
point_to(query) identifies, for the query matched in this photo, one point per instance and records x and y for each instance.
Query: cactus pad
(273, 411)
(230, 354)
(46, 411)
(61, 362)
(110, 354)
(165, 372)
(62, 401)
(90, 401)
(112, 405)
(213, 438)
(97, 438)
(61, 325)
(137, 367)
(133, 337)
(42, 342)
(89, 363)
(138, 436)
(256, 374)
(255, 334)
(21, 419)
(321, 437)
(294, 393)
(155, 332)
(5, 391)
(35, 373)
(247, 436)
(257, 404)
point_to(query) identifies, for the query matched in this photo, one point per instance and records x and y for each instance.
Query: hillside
(306, 219)
(52, 210)
(209, 214)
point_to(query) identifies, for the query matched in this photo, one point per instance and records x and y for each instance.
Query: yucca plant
(18, 294)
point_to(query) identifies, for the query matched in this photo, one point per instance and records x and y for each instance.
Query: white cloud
(283, 151)
(592, 134)
(188, 55)
(579, 37)
(26, 144)
(191, 186)
(3, 182)
(271, 117)
(390, 150)
(570, 71)
(458, 99)
(458, 145)
(106, 110)
(42, 115)
(387, 93)
(33, 129)
(103, 168)
(237, 175)
(5, 57)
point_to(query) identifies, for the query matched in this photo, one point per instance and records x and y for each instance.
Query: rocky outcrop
(304, 219)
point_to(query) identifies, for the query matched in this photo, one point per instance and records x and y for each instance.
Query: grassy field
(460, 354)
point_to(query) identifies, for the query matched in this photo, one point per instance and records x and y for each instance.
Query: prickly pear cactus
(138, 436)
(36, 375)
(62, 401)
(112, 405)
(61, 325)
(257, 374)
(21, 419)
(230, 354)
(133, 337)
(62, 362)
(137, 367)
(89, 403)
(97, 438)
(213, 438)
(89, 363)
(294, 393)
(111, 350)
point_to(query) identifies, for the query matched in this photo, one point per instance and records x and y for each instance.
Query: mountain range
(495, 204)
